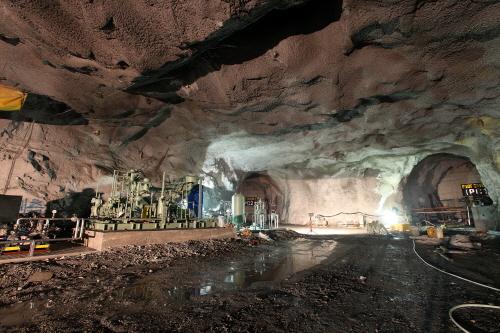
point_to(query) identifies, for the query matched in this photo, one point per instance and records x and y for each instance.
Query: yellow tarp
(11, 99)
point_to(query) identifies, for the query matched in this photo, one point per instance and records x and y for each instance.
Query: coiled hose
(467, 305)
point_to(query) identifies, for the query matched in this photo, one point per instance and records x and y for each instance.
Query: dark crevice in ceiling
(373, 34)
(109, 26)
(159, 118)
(87, 70)
(45, 110)
(10, 40)
(244, 45)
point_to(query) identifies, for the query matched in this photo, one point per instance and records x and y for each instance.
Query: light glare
(389, 218)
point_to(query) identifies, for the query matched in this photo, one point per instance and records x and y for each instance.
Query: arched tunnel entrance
(445, 188)
(261, 186)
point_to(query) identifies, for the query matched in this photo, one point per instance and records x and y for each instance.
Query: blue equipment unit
(193, 200)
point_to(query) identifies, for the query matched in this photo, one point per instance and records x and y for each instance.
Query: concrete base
(149, 226)
(104, 226)
(102, 240)
(125, 226)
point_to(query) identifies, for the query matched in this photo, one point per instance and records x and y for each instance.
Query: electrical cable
(466, 305)
(451, 274)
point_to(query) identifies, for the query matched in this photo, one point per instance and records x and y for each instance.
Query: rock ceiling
(298, 89)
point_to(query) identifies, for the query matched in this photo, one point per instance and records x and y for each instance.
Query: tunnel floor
(329, 283)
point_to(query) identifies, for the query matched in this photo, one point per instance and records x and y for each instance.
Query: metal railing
(77, 233)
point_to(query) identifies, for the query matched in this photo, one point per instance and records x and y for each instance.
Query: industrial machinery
(261, 219)
(131, 197)
(34, 234)
(135, 204)
(30, 232)
(20, 234)
(480, 206)
(260, 214)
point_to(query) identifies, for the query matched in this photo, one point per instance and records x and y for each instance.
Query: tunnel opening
(445, 189)
(260, 186)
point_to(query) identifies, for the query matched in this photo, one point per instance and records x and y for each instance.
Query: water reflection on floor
(17, 314)
(199, 276)
(192, 278)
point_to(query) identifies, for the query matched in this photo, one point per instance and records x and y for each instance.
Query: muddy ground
(364, 284)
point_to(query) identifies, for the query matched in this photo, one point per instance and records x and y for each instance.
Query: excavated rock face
(335, 100)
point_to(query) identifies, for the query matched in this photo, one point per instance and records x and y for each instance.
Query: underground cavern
(249, 166)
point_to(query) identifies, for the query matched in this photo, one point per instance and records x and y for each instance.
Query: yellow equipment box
(401, 227)
(11, 248)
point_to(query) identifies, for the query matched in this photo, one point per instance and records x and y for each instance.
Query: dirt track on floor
(399, 293)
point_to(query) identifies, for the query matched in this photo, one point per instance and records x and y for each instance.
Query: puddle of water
(198, 278)
(19, 314)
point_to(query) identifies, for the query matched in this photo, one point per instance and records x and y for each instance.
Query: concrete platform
(102, 240)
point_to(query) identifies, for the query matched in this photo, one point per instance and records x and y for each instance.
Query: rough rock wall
(301, 89)
(331, 196)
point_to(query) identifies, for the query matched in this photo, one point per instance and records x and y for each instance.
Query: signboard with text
(474, 190)
(250, 201)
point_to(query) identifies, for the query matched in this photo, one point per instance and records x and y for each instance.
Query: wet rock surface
(365, 284)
